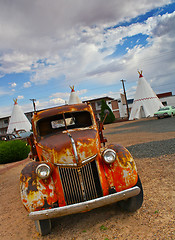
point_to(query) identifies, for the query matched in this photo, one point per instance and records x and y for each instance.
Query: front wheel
(43, 226)
(134, 203)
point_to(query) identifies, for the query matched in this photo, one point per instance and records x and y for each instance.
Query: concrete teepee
(18, 119)
(146, 102)
(73, 98)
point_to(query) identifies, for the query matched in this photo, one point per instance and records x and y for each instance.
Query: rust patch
(35, 192)
(122, 173)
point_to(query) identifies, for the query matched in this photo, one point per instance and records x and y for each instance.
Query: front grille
(80, 184)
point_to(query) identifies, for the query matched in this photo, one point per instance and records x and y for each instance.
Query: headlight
(43, 171)
(109, 156)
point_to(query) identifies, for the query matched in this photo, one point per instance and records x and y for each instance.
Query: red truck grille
(80, 184)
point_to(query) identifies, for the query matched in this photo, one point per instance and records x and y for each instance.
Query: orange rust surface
(58, 187)
(123, 172)
(57, 148)
(103, 177)
(36, 193)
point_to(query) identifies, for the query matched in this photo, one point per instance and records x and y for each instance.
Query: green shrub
(110, 117)
(13, 151)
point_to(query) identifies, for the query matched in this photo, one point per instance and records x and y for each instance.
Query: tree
(110, 117)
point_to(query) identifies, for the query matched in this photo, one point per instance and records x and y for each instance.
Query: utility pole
(34, 107)
(127, 108)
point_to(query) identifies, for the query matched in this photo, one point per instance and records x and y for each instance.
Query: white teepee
(73, 98)
(146, 102)
(18, 119)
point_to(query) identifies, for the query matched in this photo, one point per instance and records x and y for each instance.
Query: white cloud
(20, 97)
(60, 95)
(13, 85)
(35, 31)
(57, 101)
(81, 92)
(27, 84)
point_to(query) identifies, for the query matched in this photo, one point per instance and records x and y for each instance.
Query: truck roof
(61, 109)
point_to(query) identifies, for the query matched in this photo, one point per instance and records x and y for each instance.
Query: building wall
(168, 101)
(123, 110)
(4, 125)
(115, 108)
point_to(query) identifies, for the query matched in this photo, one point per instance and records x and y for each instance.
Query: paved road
(148, 125)
(153, 148)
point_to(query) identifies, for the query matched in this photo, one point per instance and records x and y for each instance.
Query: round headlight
(109, 156)
(43, 171)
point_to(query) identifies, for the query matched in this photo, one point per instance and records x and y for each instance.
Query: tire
(43, 226)
(134, 203)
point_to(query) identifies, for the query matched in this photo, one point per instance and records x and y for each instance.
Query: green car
(167, 111)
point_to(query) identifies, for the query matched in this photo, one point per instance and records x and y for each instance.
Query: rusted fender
(122, 174)
(36, 193)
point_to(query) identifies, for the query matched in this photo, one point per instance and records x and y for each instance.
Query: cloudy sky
(47, 46)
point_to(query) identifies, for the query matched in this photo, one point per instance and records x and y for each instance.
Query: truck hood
(58, 148)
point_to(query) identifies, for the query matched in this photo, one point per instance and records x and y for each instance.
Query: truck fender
(36, 193)
(122, 173)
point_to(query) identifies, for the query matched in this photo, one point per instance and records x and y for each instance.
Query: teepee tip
(15, 101)
(140, 74)
(72, 88)
(73, 98)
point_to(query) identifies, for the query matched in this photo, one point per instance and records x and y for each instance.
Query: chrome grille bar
(72, 183)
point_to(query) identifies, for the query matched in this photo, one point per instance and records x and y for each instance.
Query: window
(6, 121)
(57, 123)
(99, 104)
(163, 109)
(164, 103)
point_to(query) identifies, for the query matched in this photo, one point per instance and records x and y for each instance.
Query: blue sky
(91, 44)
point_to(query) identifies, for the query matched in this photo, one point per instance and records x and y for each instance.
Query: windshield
(163, 109)
(61, 122)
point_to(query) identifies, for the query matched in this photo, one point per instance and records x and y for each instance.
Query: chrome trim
(66, 165)
(74, 147)
(43, 165)
(84, 206)
(109, 150)
(88, 159)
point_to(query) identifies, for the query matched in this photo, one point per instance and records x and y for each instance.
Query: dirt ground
(155, 219)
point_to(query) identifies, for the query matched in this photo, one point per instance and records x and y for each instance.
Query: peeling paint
(72, 149)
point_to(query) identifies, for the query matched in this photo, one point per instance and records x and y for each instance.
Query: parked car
(73, 170)
(8, 137)
(167, 111)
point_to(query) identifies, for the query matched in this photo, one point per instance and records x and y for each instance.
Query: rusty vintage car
(72, 170)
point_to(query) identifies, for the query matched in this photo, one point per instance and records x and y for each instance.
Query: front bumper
(84, 206)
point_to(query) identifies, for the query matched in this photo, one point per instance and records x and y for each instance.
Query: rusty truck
(73, 169)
